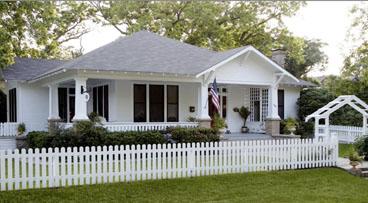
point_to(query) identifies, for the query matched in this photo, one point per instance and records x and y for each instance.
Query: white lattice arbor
(328, 109)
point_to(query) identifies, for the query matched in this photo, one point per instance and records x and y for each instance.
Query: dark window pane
(106, 102)
(257, 115)
(13, 105)
(100, 101)
(172, 103)
(281, 103)
(94, 97)
(71, 107)
(156, 102)
(71, 90)
(140, 111)
(224, 106)
(63, 103)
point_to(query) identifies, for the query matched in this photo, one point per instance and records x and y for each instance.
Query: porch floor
(246, 136)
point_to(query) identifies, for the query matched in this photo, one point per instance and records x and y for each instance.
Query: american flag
(215, 96)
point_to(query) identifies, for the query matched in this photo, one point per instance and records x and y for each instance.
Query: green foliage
(361, 146)
(304, 56)
(21, 128)
(87, 133)
(212, 24)
(38, 139)
(40, 28)
(243, 112)
(288, 124)
(188, 135)
(218, 123)
(354, 156)
(309, 101)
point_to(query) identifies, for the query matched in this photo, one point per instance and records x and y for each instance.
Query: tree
(39, 29)
(303, 56)
(211, 24)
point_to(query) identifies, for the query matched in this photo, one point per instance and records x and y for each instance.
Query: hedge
(87, 133)
(188, 135)
(68, 138)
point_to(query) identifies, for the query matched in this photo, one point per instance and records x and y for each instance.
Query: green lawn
(313, 185)
(345, 149)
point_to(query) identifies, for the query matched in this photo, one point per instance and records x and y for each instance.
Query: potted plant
(290, 125)
(21, 129)
(219, 125)
(244, 113)
(354, 160)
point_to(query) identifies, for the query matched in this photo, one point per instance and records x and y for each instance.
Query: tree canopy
(40, 28)
(215, 25)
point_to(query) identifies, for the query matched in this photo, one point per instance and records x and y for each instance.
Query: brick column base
(273, 126)
(204, 123)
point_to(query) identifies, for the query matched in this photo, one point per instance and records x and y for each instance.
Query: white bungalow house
(149, 80)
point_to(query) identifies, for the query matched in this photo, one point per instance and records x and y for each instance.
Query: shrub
(361, 146)
(218, 123)
(186, 135)
(38, 139)
(21, 128)
(134, 137)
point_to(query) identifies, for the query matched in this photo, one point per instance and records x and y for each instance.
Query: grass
(312, 185)
(345, 149)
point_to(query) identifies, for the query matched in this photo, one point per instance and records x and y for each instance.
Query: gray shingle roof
(145, 52)
(28, 68)
(301, 83)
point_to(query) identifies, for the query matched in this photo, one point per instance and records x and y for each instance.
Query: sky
(328, 21)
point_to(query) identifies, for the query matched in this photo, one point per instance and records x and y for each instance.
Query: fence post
(191, 158)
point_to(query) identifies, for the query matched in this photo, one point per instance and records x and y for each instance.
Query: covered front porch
(155, 105)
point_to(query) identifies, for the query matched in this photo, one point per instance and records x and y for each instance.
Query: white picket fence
(8, 129)
(346, 134)
(91, 165)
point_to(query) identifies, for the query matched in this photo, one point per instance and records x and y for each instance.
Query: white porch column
(80, 101)
(202, 112)
(53, 102)
(274, 112)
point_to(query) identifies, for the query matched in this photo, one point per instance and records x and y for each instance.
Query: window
(140, 110)
(172, 103)
(100, 95)
(156, 103)
(63, 104)
(224, 106)
(281, 104)
(258, 104)
(13, 105)
(66, 100)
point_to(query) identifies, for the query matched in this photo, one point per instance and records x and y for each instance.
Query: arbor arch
(325, 112)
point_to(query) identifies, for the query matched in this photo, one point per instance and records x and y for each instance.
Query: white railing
(8, 129)
(122, 127)
(91, 165)
(346, 134)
